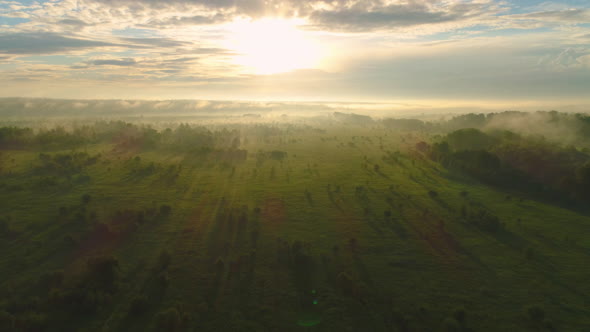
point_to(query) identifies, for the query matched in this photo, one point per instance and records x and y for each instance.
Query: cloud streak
(44, 43)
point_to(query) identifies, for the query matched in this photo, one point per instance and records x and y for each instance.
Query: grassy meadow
(328, 226)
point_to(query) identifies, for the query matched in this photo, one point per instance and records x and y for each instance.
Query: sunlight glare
(271, 46)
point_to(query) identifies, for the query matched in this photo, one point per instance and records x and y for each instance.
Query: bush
(63, 210)
(202, 308)
(51, 280)
(162, 281)
(164, 260)
(535, 313)
(486, 221)
(345, 283)
(70, 241)
(102, 272)
(451, 325)
(7, 321)
(529, 253)
(459, 315)
(169, 320)
(32, 322)
(86, 198)
(4, 227)
(165, 209)
(219, 265)
(353, 244)
(138, 306)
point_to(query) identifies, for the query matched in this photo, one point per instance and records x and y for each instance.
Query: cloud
(569, 58)
(16, 14)
(539, 19)
(431, 16)
(175, 21)
(74, 23)
(114, 62)
(566, 16)
(152, 42)
(44, 43)
(334, 15)
(393, 16)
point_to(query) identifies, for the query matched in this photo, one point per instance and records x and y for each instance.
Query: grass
(416, 264)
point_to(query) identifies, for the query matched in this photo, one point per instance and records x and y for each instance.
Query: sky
(450, 51)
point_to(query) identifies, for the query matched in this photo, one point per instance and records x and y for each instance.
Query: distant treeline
(123, 135)
(513, 161)
(566, 128)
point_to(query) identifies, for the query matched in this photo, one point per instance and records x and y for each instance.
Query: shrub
(70, 241)
(451, 325)
(165, 209)
(535, 313)
(63, 210)
(353, 244)
(162, 281)
(51, 280)
(219, 265)
(7, 321)
(32, 322)
(169, 320)
(103, 272)
(138, 306)
(529, 253)
(164, 260)
(345, 283)
(486, 221)
(86, 198)
(459, 315)
(4, 228)
(203, 308)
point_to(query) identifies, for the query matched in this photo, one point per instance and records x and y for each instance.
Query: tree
(138, 305)
(469, 139)
(164, 259)
(4, 227)
(103, 272)
(165, 209)
(353, 244)
(7, 322)
(169, 320)
(535, 314)
(86, 198)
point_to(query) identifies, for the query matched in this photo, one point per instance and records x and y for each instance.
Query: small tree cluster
(172, 319)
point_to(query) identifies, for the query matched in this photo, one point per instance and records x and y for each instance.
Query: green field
(277, 227)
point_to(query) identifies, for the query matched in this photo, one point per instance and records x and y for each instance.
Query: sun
(270, 46)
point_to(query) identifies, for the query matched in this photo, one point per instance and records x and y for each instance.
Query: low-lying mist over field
(527, 120)
(17, 109)
(48, 110)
